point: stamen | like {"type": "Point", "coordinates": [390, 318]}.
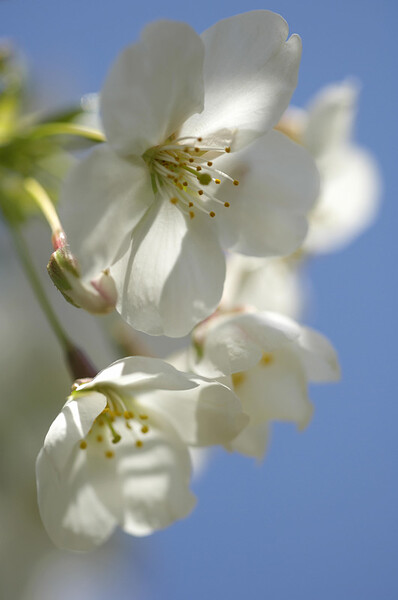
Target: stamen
{"type": "Point", "coordinates": [144, 429]}
{"type": "Point", "coordinates": [83, 444]}
{"type": "Point", "coordinates": [109, 454]}
{"type": "Point", "coordinates": [212, 213]}
{"type": "Point", "coordinates": [204, 178]}
{"type": "Point", "coordinates": [138, 443]}
{"type": "Point", "coordinates": [115, 436]}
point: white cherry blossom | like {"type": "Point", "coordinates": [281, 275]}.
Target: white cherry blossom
{"type": "Point", "coordinates": [268, 360]}
{"type": "Point", "coordinates": [117, 453]}
{"type": "Point", "coordinates": [191, 166]}
{"type": "Point", "coordinates": [272, 284]}
{"type": "Point", "coordinates": [350, 180]}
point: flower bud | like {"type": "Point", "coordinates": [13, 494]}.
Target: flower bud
{"type": "Point", "coordinates": [97, 296]}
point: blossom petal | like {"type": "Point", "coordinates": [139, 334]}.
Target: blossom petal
{"type": "Point", "coordinates": [252, 441]}
{"type": "Point", "coordinates": [250, 72]}
{"type": "Point", "coordinates": [348, 202]}
{"type": "Point", "coordinates": [71, 425]}
{"type": "Point", "coordinates": [275, 390]}
{"type": "Point", "coordinates": [279, 184]}
{"type": "Point", "coordinates": [331, 118]}
{"type": "Point", "coordinates": [236, 342]}
{"type": "Point", "coordinates": [146, 488]}
{"type": "Point", "coordinates": [266, 283]}
{"type": "Point", "coordinates": [139, 373]}
{"type": "Point", "coordinates": [172, 275]}
{"type": "Point", "coordinates": [318, 356]}
{"type": "Point", "coordinates": [73, 515]}
{"type": "Point", "coordinates": [153, 87]}
{"type": "Point", "coordinates": [209, 414]}
{"type": "Point", "coordinates": [103, 199]}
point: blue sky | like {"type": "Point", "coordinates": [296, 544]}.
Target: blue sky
{"type": "Point", "coordinates": [317, 519]}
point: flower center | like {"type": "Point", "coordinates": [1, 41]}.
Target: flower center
{"type": "Point", "coordinates": [118, 419]}
{"type": "Point", "coordinates": [182, 171]}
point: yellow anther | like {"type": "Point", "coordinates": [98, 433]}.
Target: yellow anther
{"type": "Point", "coordinates": [198, 168]}
{"type": "Point", "coordinates": [128, 425]}
{"type": "Point", "coordinates": [227, 204]}
{"type": "Point", "coordinates": [190, 204]}
{"type": "Point", "coordinates": [191, 160]}
{"type": "Point", "coordinates": [185, 183]}
{"type": "Point", "coordinates": [109, 454]}
{"type": "Point", "coordinates": [186, 149]}
{"type": "Point", "coordinates": [238, 379]}
{"type": "Point", "coordinates": [143, 417]}
{"type": "Point", "coordinates": [145, 429]}
{"type": "Point", "coordinates": [197, 149]}
{"type": "Point", "coordinates": [191, 214]}
{"type": "Point", "coordinates": [200, 192]}
{"type": "Point", "coordinates": [138, 443]}
{"type": "Point", "coordinates": [83, 444]}
{"type": "Point", "coordinates": [199, 139]}
{"type": "Point", "coordinates": [99, 438]}
{"type": "Point", "coordinates": [236, 182]}
{"type": "Point", "coordinates": [106, 409]}
{"type": "Point", "coordinates": [209, 164]}
{"type": "Point", "coordinates": [212, 214]}
{"type": "Point", "coordinates": [217, 181]}
{"type": "Point", "coordinates": [267, 358]}
{"type": "Point", "coordinates": [100, 422]}
{"type": "Point", "coordinates": [227, 149]}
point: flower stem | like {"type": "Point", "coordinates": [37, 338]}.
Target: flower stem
{"type": "Point", "coordinates": [30, 270]}
{"type": "Point", "coordinates": [40, 196]}
{"type": "Point", "coordinates": [49, 129]}
{"type": "Point", "coordinates": [78, 363]}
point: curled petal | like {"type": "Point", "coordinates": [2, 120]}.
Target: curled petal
{"type": "Point", "coordinates": [137, 374]}
{"type": "Point", "coordinates": [318, 356]}
{"type": "Point", "coordinates": [209, 414]}
{"type": "Point", "coordinates": [252, 441]}
{"type": "Point", "coordinates": [71, 425]}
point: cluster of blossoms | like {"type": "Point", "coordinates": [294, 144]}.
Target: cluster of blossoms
{"type": "Point", "coordinates": [192, 216]}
